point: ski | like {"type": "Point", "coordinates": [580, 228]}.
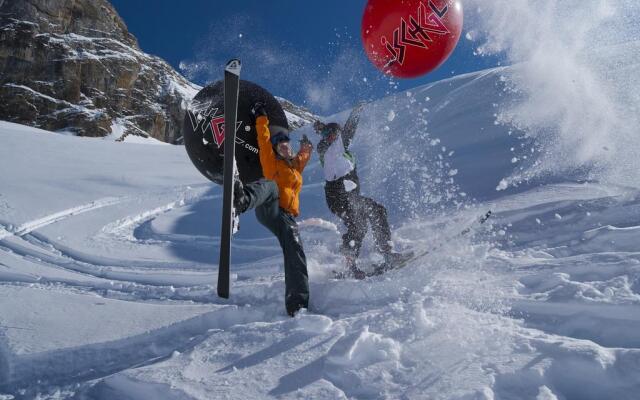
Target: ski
{"type": "Point", "coordinates": [231, 91]}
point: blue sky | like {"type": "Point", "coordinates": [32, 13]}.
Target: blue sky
{"type": "Point", "coordinates": [307, 51]}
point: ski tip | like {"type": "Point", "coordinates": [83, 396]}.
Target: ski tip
{"type": "Point", "coordinates": [233, 66]}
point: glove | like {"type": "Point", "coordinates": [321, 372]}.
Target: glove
{"type": "Point", "coordinates": [305, 140]}
{"type": "Point", "coordinates": [258, 110]}
{"type": "Point", "coordinates": [305, 143]}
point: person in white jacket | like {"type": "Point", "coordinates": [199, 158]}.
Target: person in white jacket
{"type": "Point", "coordinates": [342, 193]}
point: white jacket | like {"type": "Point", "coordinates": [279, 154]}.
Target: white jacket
{"type": "Point", "coordinates": [337, 162]}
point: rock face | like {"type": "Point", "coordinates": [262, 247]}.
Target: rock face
{"type": "Point", "coordinates": [72, 65]}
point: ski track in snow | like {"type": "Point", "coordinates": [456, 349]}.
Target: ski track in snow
{"type": "Point", "coordinates": [56, 217]}
{"type": "Point", "coordinates": [151, 281]}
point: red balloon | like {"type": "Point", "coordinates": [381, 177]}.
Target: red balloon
{"type": "Point", "coordinates": [409, 38]}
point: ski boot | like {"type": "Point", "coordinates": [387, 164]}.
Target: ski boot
{"type": "Point", "coordinates": [294, 305]}
{"type": "Point", "coordinates": [240, 199]}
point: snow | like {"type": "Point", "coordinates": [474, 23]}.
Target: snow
{"type": "Point", "coordinates": [119, 134]}
{"type": "Point", "coordinates": [295, 120]}
{"type": "Point", "coordinates": [185, 89]}
{"type": "Point", "coordinates": [391, 116]}
{"type": "Point", "coordinates": [297, 116]}
{"type": "Point", "coordinates": [108, 260]}
{"type": "Point", "coordinates": [576, 96]}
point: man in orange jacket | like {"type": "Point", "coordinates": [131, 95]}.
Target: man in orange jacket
{"type": "Point", "coordinates": [276, 201]}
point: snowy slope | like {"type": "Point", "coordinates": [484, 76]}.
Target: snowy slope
{"type": "Point", "coordinates": [108, 257]}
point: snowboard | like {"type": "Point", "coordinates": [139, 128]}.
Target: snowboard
{"type": "Point", "coordinates": [231, 92]}
{"type": "Point", "coordinates": [377, 269]}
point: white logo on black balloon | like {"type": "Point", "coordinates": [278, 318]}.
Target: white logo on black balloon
{"type": "Point", "coordinates": [206, 120]}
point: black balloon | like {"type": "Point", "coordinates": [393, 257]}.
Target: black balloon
{"type": "Point", "coordinates": [203, 130]}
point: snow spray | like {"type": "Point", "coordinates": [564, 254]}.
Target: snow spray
{"type": "Point", "coordinates": [576, 79]}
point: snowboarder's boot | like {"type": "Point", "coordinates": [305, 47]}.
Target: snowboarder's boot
{"type": "Point", "coordinates": [354, 271]}
{"type": "Point", "coordinates": [357, 273]}
{"type": "Point", "coordinates": [240, 199]}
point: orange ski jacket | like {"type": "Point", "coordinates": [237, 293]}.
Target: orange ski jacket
{"type": "Point", "coordinates": [287, 174]}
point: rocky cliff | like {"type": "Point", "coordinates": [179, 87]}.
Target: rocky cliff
{"type": "Point", "coordinates": [72, 65]}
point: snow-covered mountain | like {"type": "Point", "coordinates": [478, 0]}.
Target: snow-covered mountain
{"type": "Point", "coordinates": [108, 270]}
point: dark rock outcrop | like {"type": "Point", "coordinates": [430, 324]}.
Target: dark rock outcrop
{"type": "Point", "coordinates": [72, 65]}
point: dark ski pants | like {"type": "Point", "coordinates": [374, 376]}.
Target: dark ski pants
{"type": "Point", "coordinates": [357, 212]}
{"type": "Point", "coordinates": [263, 196]}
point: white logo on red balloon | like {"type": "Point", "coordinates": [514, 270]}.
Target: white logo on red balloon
{"type": "Point", "coordinates": [410, 38]}
{"type": "Point", "coordinates": [416, 33]}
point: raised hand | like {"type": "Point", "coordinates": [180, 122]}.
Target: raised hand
{"type": "Point", "coordinates": [258, 110]}
{"type": "Point", "coordinates": [305, 143]}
